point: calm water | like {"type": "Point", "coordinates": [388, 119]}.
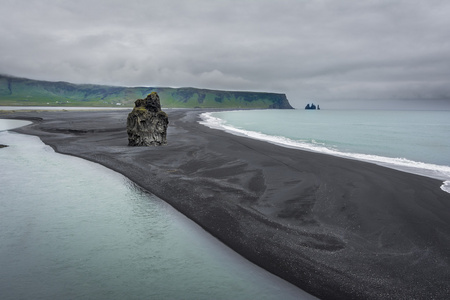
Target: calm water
{"type": "Point", "coordinates": [412, 141]}
{"type": "Point", "coordinates": [72, 229]}
{"type": "Point", "coordinates": [6, 124]}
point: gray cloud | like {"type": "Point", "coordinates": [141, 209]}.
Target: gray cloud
{"type": "Point", "coordinates": [329, 51]}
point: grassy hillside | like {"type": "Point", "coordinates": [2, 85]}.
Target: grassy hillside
{"type": "Point", "coordinates": [21, 91]}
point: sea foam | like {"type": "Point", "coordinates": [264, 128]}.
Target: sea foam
{"type": "Point", "coordinates": [398, 163]}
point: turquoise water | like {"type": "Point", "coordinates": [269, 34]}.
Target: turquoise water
{"type": "Point", "coordinates": [72, 229]}
{"type": "Point", "coordinates": [412, 141]}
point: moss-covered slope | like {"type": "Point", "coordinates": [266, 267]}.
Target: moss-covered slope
{"type": "Point", "coordinates": [21, 91]}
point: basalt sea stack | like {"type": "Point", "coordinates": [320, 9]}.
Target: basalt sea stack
{"type": "Point", "coordinates": [147, 123]}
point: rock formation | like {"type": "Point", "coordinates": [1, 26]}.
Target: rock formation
{"type": "Point", "coordinates": [312, 106]}
{"type": "Point", "coordinates": [147, 123]}
{"type": "Point", "coordinates": [3, 146]}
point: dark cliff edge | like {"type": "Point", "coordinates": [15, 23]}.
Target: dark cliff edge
{"type": "Point", "coordinates": [22, 91]}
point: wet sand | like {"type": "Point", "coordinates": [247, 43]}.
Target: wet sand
{"type": "Point", "coordinates": [337, 228]}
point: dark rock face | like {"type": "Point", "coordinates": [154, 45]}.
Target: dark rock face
{"type": "Point", "coordinates": [147, 123]}
{"type": "Point", "coordinates": [3, 146]}
{"type": "Point", "coordinates": [312, 106]}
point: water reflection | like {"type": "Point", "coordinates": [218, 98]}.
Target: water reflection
{"type": "Point", "coordinates": [74, 229]}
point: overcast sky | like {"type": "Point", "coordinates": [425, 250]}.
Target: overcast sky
{"type": "Point", "coordinates": [329, 52]}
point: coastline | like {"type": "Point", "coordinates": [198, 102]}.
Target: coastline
{"type": "Point", "coordinates": [335, 227]}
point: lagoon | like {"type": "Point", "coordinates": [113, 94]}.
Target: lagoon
{"type": "Point", "coordinates": [75, 229]}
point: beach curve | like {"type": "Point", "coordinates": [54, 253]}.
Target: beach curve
{"type": "Point", "coordinates": [337, 228]}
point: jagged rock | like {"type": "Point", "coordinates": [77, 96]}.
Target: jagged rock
{"type": "Point", "coordinates": [147, 123]}
{"type": "Point", "coordinates": [312, 106]}
{"type": "Point", "coordinates": [3, 146]}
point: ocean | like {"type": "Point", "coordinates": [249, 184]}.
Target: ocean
{"type": "Point", "coordinates": [411, 141]}
{"type": "Point", "coordinates": [73, 229]}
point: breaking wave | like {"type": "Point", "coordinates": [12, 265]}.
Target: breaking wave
{"type": "Point", "coordinates": [398, 163]}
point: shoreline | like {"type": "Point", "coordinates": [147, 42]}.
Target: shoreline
{"type": "Point", "coordinates": [426, 169]}
{"type": "Point", "coordinates": [336, 228]}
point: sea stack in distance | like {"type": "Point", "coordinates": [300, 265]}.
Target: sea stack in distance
{"type": "Point", "coordinates": [147, 123]}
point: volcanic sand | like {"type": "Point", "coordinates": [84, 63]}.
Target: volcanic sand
{"type": "Point", "coordinates": [337, 228]}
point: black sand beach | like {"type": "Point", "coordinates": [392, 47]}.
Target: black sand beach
{"type": "Point", "coordinates": [337, 228]}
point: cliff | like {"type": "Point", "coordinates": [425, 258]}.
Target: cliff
{"type": "Point", "coordinates": [22, 91]}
